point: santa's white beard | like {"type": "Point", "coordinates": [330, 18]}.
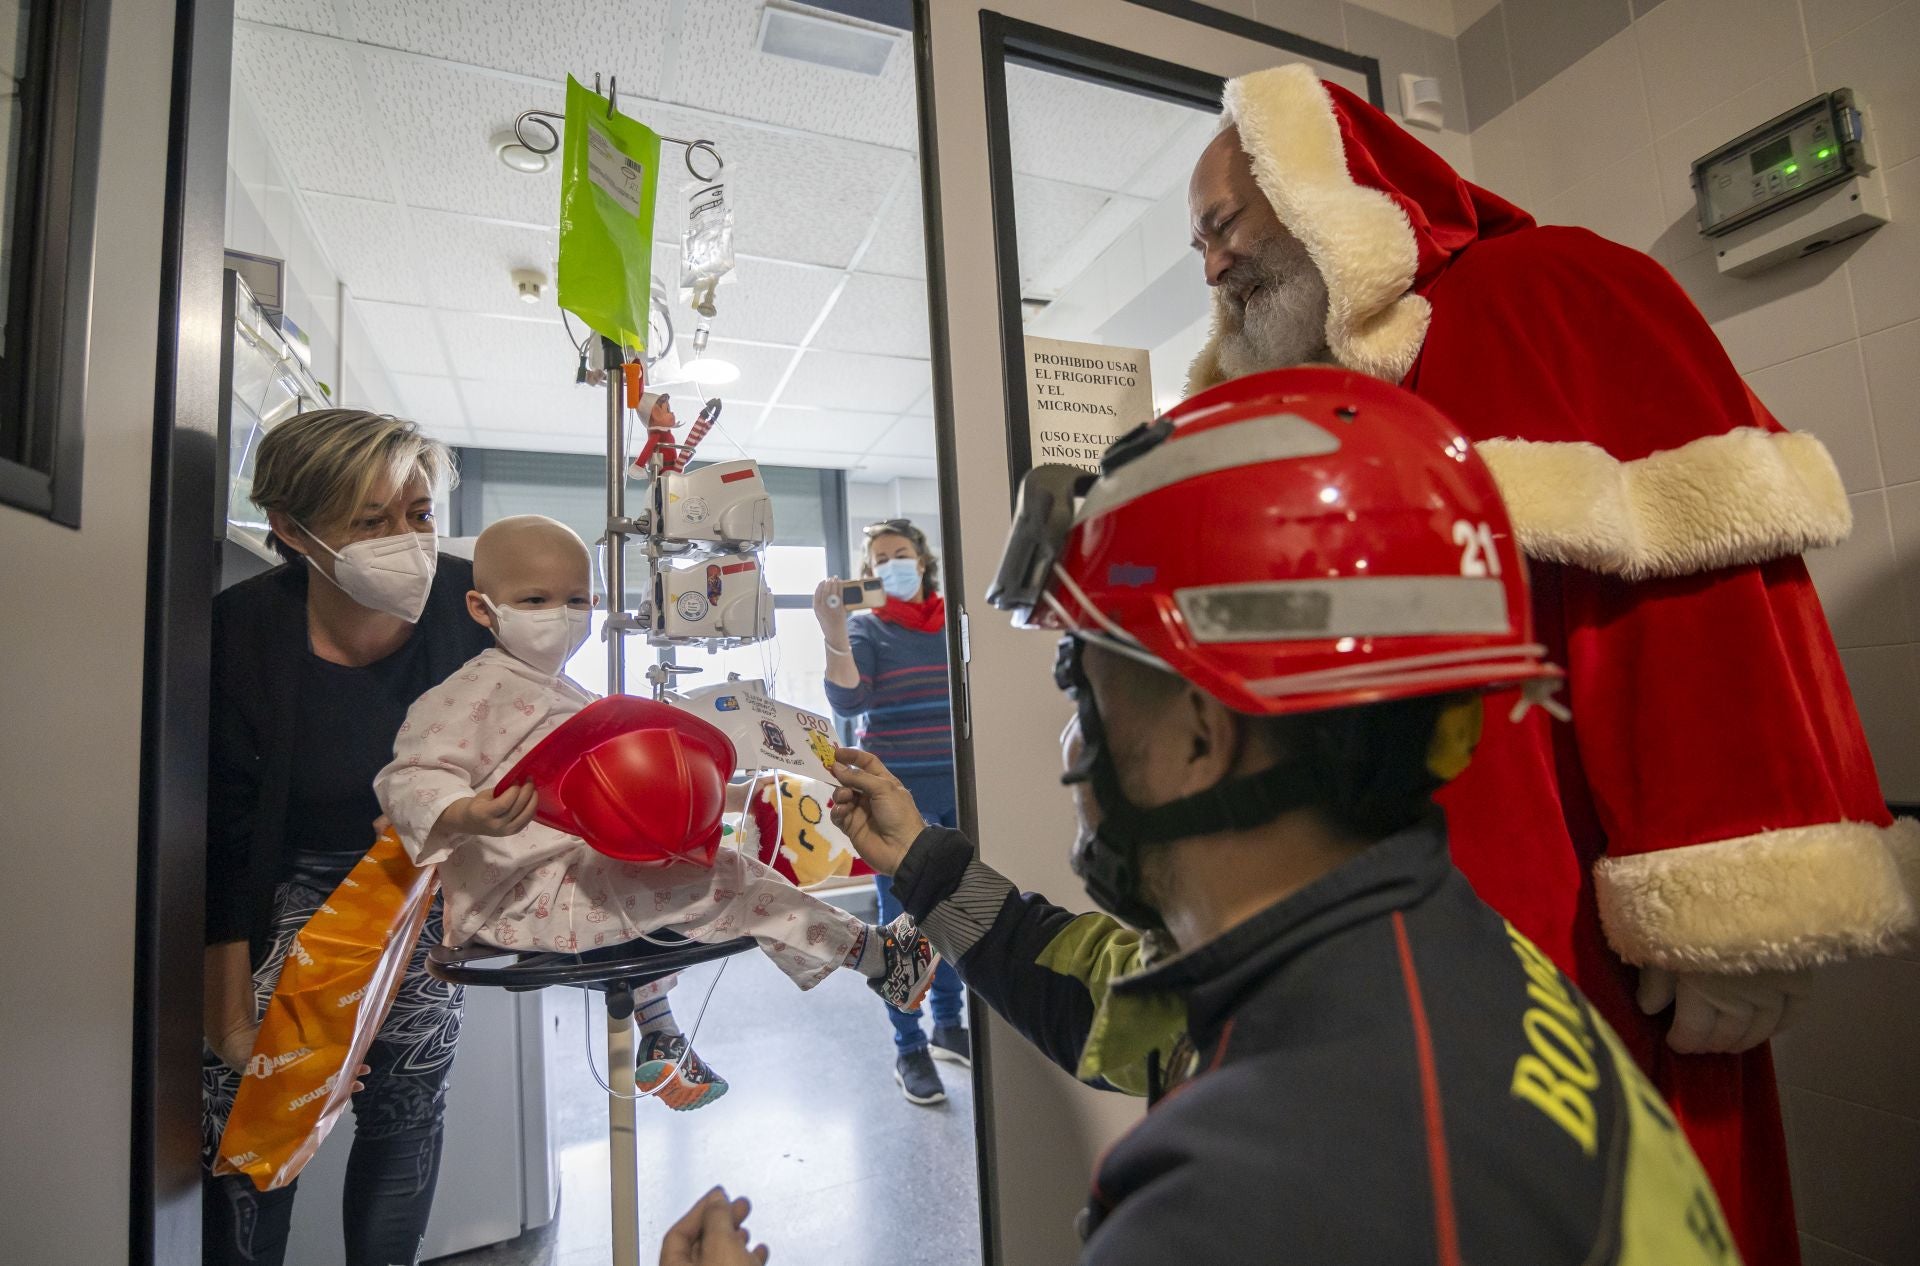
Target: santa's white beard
{"type": "Point", "coordinates": [1283, 322]}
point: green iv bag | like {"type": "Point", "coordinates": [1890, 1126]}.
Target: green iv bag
{"type": "Point", "coordinates": [611, 165]}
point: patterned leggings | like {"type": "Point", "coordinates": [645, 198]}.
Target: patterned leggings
{"type": "Point", "coordinates": [395, 1160]}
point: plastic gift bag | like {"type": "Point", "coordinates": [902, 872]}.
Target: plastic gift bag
{"type": "Point", "coordinates": [340, 978]}
{"type": "Point", "coordinates": [609, 171]}
{"type": "Point", "coordinates": [788, 826]}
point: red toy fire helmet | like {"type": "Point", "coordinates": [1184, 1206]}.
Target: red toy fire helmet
{"type": "Point", "coordinates": [1291, 541]}
{"type": "Point", "coordinates": [637, 780]}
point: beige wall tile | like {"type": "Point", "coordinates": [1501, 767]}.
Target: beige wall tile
{"type": "Point", "coordinates": [1856, 1035]}
{"type": "Point", "coordinates": [1467, 12]}
{"type": "Point", "coordinates": [1885, 264]}
{"type": "Point", "coordinates": [1903, 515]}
{"type": "Point", "coordinates": [1854, 1171]}
{"type": "Point", "coordinates": [1858, 580]}
{"type": "Point", "coordinates": [1793, 310]}
{"type": "Point", "coordinates": [1587, 117]}
{"type": "Point", "coordinates": [1882, 680]}
{"type": "Point", "coordinates": [1881, 62]}
{"type": "Point", "coordinates": [1434, 15]}
{"type": "Point", "coordinates": [1893, 385]}
{"type": "Point", "coordinates": [1622, 202]}
{"type": "Point", "coordinates": [1316, 19]}
{"type": "Point", "coordinates": [1784, 87]}
{"type": "Point", "coordinates": [1828, 20]}
{"type": "Point", "coordinates": [1826, 393]}
{"type": "Point", "coordinates": [1697, 53]}
{"type": "Point", "coordinates": [1500, 154]}
{"type": "Point", "coordinates": [1820, 1253]}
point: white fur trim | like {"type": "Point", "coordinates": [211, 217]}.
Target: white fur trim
{"type": "Point", "coordinates": [1359, 238]}
{"type": "Point", "coordinates": [1748, 496]}
{"type": "Point", "coordinates": [1776, 901]}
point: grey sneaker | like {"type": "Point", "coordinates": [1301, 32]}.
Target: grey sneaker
{"type": "Point", "coordinates": [917, 1078]}
{"type": "Point", "coordinates": [953, 1045]}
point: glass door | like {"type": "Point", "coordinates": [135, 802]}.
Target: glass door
{"type": "Point", "coordinates": [1067, 303]}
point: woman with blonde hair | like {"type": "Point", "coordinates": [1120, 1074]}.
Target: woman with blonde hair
{"type": "Point", "coordinates": [314, 666]}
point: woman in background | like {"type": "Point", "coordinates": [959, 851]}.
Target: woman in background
{"type": "Point", "coordinates": [314, 666]}
{"type": "Point", "coordinates": [888, 666]}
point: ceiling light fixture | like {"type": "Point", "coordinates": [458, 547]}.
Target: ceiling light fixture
{"type": "Point", "coordinates": [710, 371]}
{"type": "Point", "coordinates": [529, 283]}
{"type": "Point", "coordinates": [825, 41]}
{"type": "Point", "coordinates": [508, 149]}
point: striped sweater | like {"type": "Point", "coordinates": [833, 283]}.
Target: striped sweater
{"type": "Point", "coordinates": [902, 698]}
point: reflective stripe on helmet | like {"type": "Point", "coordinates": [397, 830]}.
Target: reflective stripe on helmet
{"type": "Point", "coordinates": [1352, 606]}
{"type": "Point", "coordinates": [1275, 437]}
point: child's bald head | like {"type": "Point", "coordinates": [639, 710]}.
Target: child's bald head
{"type": "Point", "coordinates": [530, 560]}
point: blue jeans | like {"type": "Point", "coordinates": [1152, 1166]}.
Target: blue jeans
{"type": "Point", "coordinates": [946, 997]}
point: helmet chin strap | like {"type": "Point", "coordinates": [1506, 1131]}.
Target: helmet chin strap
{"type": "Point", "coordinates": [1108, 859]}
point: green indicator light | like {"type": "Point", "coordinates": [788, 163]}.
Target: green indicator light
{"type": "Point", "coordinates": [1790, 168]}
{"type": "Point", "coordinates": [1825, 153]}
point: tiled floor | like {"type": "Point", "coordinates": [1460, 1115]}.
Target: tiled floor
{"type": "Point", "coordinates": [840, 1168]}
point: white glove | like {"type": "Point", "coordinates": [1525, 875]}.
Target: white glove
{"type": "Point", "coordinates": [1721, 1013]}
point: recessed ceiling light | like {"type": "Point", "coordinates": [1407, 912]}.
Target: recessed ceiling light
{"type": "Point", "coordinates": [710, 371]}
{"type": "Point", "coordinates": [508, 149]}
{"type": "Point", "coordinates": [825, 41]}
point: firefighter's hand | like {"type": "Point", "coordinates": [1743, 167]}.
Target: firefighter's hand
{"type": "Point", "coordinates": [876, 812]}
{"type": "Point", "coordinates": [1720, 1012]}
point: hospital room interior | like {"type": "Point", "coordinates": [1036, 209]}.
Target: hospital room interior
{"type": "Point", "coordinates": [1298, 620]}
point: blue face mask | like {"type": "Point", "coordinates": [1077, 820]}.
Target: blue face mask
{"type": "Point", "coordinates": [900, 577]}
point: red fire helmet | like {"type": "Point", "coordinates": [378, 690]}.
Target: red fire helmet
{"type": "Point", "coordinates": [1291, 541]}
{"type": "Point", "coordinates": [636, 779]}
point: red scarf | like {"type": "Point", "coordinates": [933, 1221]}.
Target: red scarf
{"type": "Point", "coordinates": [926, 616]}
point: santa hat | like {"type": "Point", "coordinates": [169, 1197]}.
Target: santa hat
{"type": "Point", "coordinates": [1321, 156]}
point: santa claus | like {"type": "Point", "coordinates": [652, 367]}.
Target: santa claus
{"type": "Point", "coordinates": [1709, 827]}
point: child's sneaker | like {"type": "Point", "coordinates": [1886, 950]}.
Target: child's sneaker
{"type": "Point", "coordinates": [910, 960]}
{"type": "Point", "coordinates": [691, 1085]}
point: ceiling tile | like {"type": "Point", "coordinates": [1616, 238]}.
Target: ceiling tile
{"type": "Point", "coordinates": [878, 109]}
{"type": "Point", "coordinates": [500, 349]}
{"type": "Point", "coordinates": [899, 246]}
{"type": "Point", "coordinates": [470, 263]}
{"type": "Point", "coordinates": [1048, 217]}
{"type": "Point", "coordinates": [829, 430]}
{"type": "Point", "coordinates": [1170, 167]}
{"type": "Point", "coordinates": [538, 409]}
{"type": "Point", "coordinates": [436, 123]}
{"type": "Point", "coordinates": [908, 437]}
{"type": "Point", "coordinates": [862, 384]}
{"type": "Point", "coordinates": [877, 466]}
{"type": "Point", "coordinates": [805, 198]}
{"type": "Point", "coordinates": [430, 401]}
{"type": "Point", "coordinates": [548, 441]}
{"type": "Point", "coordinates": [883, 315]}
{"type": "Point", "coordinates": [547, 41]}
{"type": "Point", "coordinates": [368, 244]}
{"type": "Point", "coordinates": [304, 86]}
{"type": "Point", "coordinates": [403, 337]}
{"type": "Point", "coordinates": [818, 459]}
{"type": "Point", "coordinates": [766, 300]}
{"type": "Point", "coordinates": [761, 369]}
{"type": "Point", "coordinates": [1084, 133]}
{"type": "Point", "coordinates": [304, 15]}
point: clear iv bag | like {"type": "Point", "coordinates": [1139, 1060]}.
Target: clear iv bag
{"type": "Point", "coordinates": [707, 245]}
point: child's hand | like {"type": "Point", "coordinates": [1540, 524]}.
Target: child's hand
{"type": "Point", "coordinates": [494, 813]}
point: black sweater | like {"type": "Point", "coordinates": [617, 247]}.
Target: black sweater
{"type": "Point", "coordinates": [1378, 1070]}
{"type": "Point", "coordinates": [260, 654]}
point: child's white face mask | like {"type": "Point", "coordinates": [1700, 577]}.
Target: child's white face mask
{"type": "Point", "coordinates": [543, 640]}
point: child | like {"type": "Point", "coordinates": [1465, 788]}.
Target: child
{"type": "Point", "coordinates": [519, 884]}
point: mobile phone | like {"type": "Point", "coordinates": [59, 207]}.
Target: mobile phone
{"type": "Point", "coordinates": [862, 595]}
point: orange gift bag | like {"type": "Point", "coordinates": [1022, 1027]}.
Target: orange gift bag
{"type": "Point", "coordinates": [340, 977]}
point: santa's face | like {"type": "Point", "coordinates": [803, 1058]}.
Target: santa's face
{"type": "Point", "coordinates": [1274, 310]}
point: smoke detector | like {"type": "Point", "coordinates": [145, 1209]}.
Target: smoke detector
{"type": "Point", "coordinates": [826, 41]}
{"type": "Point", "coordinates": [529, 282]}
{"type": "Point", "coordinates": [508, 149]}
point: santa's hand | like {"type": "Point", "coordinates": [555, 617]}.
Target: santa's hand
{"type": "Point", "coordinates": [876, 812]}
{"type": "Point", "coordinates": [1722, 1013]}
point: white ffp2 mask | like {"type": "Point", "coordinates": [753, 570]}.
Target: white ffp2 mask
{"type": "Point", "coordinates": [543, 640]}
{"type": "Point", "coordinates": [393, 574]}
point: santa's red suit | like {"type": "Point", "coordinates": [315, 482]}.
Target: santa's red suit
{"type": "Point", "coordinates": [1713, 806]}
